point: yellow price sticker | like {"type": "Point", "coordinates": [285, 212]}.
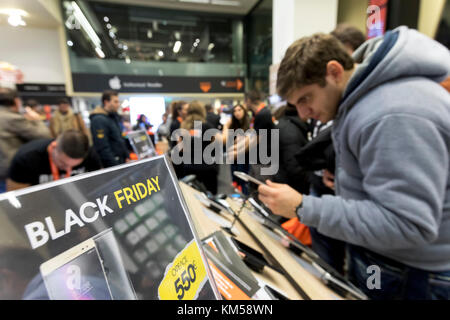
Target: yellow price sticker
{"type": "Point", "coordinates": [185, 276]}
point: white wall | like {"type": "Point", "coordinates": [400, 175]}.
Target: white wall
{"type": "Point", "coordinates": [293, 19]}
{"type": "Point", "coordinates": [36, 52]}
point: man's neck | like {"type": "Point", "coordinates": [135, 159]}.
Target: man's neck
{"type": "Point", "coordinates": [347, 76]}
{"type": "Point", "coordinates": [107, 109]}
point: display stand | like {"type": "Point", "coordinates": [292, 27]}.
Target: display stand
{"type": "Point", "coordinates": [311, 286]}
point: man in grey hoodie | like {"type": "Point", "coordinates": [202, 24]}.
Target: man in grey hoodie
{"type": "Point", "coordinates": [391, 135]}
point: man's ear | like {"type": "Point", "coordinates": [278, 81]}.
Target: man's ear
{"type": "Point", "coordinates": [335, 71]}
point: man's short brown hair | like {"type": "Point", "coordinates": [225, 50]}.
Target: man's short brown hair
{"type": "Point", "coordinates": [305, 62]}
{"type": "Point", "coordinates": [108, 94]}
{"type": "Point", "coordinates": [349, 35]}
{"type": "Point", "coordinates": [75, 144]}
{"type": "Point", "coordinates": [254, 96]}
{"type": "Point", "coordinates": [7, 97]}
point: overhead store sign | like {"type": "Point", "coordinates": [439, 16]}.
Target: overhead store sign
{"type": "Point", "coordinates": [118, 233]}
{"type": "Point", "coordinates": [87, 82]}
{"type": "Point", "coordinates": [40, 88]}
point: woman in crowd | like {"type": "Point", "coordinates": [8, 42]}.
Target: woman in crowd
{"type": "Point", "coordinates": [239, 120]}
{"type": "Point", "coordinates": [206, 173]}
{"type": "Point", "coordinates": [179, 112]}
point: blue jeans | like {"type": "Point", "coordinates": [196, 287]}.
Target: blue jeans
{"type": "Point", "coordinates": [398, 281]}
{"type": "Point", "coordinates": [332, 251]}
{"type": "Point", "coordinates": [2, 186]}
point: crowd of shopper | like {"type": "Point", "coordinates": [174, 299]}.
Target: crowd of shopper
{"type": "Point", "coordinates": [364, 144]}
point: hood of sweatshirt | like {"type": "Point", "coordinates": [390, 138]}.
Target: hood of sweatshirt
{"type": "Point", "coordinates": [400, 53]}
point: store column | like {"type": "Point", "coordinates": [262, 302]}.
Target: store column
{"type": "Point", "coordinates": [293, 19]}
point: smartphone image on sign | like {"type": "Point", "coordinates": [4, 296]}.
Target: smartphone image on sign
{"type": "Point", "coordinates": [243, 176]}
{"type": "Point", "coordinates": [76, 274]}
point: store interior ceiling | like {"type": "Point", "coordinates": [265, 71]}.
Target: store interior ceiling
{"type": "Point", "coordinates": [239, 7]}
{"type": "Point", "coordinates": [131, 30]}
{"type": "Point", "coordinates": [41, 13]}
{"type": "Point", "coordinates": [37, 14]}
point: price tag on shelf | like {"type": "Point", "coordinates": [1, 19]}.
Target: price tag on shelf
{"type": "Point", "coordinates": [185, 276]}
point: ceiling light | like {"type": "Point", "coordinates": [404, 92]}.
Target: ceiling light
{"type": "Point", "coordinates": [149, 34]}
{"type": "Point", "coordinates": [100, 53]}
{"type": "Point", "coordinates": [161, 53]}
{"type": "Point", "coordinates": [86, 25]}
{"type": "Point", "coordinates": [195, 1]}
{"type": "Point", "coordinates": [16, 20]}
{"type": "Point", "coordinates": [15, 16]}
{"type": "Point", "coordinates": [226, 3]}
{"type": "Point", "coordinates": [211, 46]}
{"type": "Point", "coordinates": [112, 35]}
{"type": "Point", "coordinates": [125, 47]}
{"type": "Point", "coordinates": [177, 46]}
{"type": "Point", "coordinates": [69, 43]}
{"type": "Point", "coordinates": [109, 25]}
{"type": "Point", "coordinates": [127, 60]}
{"type": "Point", "coordinates": [106, 19]}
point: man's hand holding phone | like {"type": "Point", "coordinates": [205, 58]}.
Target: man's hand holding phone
{"type": "Point", "coordinates": [281, 199]}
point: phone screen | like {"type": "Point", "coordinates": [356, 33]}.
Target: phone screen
{"type": "Point", "coordinates": [82, 278]}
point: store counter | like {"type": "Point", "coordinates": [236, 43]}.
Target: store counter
{"type": "Point", "coordinates": [296, 283]}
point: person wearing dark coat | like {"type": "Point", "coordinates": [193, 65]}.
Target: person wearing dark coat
{"type": "Point", "coordinates": [212, 118]}
{"type": "Point", "coordinates": [293, 136]}
{"type": "Point", "coordinates": [179, 112]}
{"type": "Point", "coordinates": [106, 132]}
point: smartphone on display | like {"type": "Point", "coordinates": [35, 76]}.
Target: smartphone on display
{"type": "Point", "coordinates": [76, 274]}
{"type": "Point", "coordinates": [243, 176]}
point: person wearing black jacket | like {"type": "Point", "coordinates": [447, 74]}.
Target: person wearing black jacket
{"type": "Point", "coordinates": [212, 118]}
{"type": "Point", "coordinates": [293, 136]}
{"type": "Point", "coordinates": [206, 173]}
{"type": "Point", "coordinates": [179, 113]}
{"type": "Point", "coordinates": [106, 133]}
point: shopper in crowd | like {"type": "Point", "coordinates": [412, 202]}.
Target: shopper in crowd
{"type": "Point", "coordinates": [262, 120]}
{"type": "Point", "coordinates": [212, 118]}
{"type": "Point", "coordinates": [163, 129]}
{"type": "Point", "coordinates": [106, 131]}
{"type": "Point", "coordinates": [293, 136]}
{"type": "Point", "coordinates": [205, 173]}
{"type": "Point", "coordinates": [16, 129]}
{"type": "Point", "coordinates": [240, 120]}
{"type": "Point", "coordinates": [321, 149]}
{"type": "Point", "coordinates": [45, 160]}
{"type": "Point", "coordinates": [391, 134]}
{"type": "Point", "coordinates": [36, 107]}
{"type": "Point", "coordinates": [179, 113]}
{"type": "Point", "coordinates": [64, 119]}
{"type": "Point", "coordinates": [350, 36]}
{"type": "Point", "coordinates": [144, 124]}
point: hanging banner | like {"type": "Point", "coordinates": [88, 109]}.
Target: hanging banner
{"type": "Point", "coordinates": [111, 234]}
{"type": "Point", "coordinates": [87, 82]}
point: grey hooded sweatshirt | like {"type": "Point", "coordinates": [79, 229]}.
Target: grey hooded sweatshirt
{"type": "Point", "coordinates": [392, 141]}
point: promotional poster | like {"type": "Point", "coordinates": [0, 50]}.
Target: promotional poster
{"type": "Point", "coordinates": [120, 233]}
